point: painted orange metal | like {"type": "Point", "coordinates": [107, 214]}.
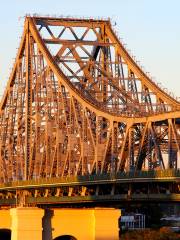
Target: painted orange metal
{"type": "Point", "coordinates": [77, 103]}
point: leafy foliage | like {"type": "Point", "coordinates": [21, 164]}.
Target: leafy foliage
{"type": "Point", "coordinates": [163, 233]}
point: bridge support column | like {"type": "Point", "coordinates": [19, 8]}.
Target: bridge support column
{"type": "Point", "coordinates": [89, 224]}
{"type": "Point", "coordinates": [26, 223]}
{"type": "Point", "coordinates": [5, 219]}
{"type": "Point", "coordinates": [106, 224]}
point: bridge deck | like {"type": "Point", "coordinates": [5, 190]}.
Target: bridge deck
{"type": "Point", "coordinates": [121, 177]}
{"type": "Point", "coordinates": [145, 186]}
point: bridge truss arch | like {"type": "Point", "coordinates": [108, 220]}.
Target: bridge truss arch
{"type": "Point", "coordinates": [77, 103]}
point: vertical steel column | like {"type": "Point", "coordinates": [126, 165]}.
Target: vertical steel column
{"type": "Point", "coordinates": [131, 149]}
{"type": "Point", "coordinates": [170, 165]}
{"type": "Point", "coordinates": [114, 147]}
{"type": "Point", "coordinates": [28, 112]}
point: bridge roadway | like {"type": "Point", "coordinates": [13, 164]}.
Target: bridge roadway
{"type": "Point", "coordinates": [142, 186]}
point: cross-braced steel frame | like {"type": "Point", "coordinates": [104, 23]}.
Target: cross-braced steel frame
{"type": "Point", "coordinates": [77, 103]}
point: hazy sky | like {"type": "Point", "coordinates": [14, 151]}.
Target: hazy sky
{"type": "Point", "coordinates": [151, 29]}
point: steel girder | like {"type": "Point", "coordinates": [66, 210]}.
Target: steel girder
{"type": "Point", "coordinates": [77, 103]}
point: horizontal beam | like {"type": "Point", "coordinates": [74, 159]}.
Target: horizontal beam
{"type": "Point", "coordinates": [104, 198]}
{"type": "Point", "coordinates": [52, 200]}
{"type": "Point", "coordinates": [151, 176]}
{"type": "Point", "coordinates": [75, 42]}
{"type": "Point", "coordinates": [69, 22]}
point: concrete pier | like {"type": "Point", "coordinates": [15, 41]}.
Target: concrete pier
{"type": "Point", "coordinates": [34, 223]}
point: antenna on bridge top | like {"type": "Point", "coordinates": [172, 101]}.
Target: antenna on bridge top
{"type": "Point", "coordinates": [20, 18]}
{"type": "Point", "coordinates": [35, 15]}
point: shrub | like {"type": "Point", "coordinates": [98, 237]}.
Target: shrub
{"type": "Point", "coordinates": [163, 233]}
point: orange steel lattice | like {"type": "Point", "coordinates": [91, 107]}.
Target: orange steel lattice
{"type": "Point", "coordinates": [77, 103]}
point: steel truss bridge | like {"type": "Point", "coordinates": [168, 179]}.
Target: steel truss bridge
{"type": "Point", "coordinates": [80, 121]}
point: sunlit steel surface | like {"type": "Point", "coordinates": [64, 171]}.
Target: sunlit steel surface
{"type": "Point", "coordinates": [78, 104]}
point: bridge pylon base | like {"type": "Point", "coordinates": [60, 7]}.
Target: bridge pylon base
{"type": "Point", "coordinates": [89, 224]}
{"type": "Point", "coordinates": [107, 224]}
{"type": "Point", "coordinates": [26, 223]}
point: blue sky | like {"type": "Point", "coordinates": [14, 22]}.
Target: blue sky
{"type": "Point", "coordinates": [151, 29]}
